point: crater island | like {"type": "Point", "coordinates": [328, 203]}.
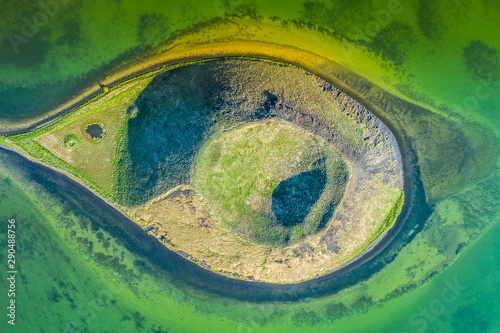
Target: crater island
{"type": "Point", "coordinates": [254, 169]}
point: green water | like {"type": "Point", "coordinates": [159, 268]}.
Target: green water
{"type": "Point", "coordinates": [79, 271]}
{"type": "Point", "coordinates": [83, 41]}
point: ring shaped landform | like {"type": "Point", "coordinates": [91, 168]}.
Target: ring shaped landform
{"type": "Point", "coordinates": [251, 168]}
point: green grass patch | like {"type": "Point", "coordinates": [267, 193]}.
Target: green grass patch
{"type": "Point", "coordinates": [93, 163]}
{"type": "Point", "coordinates": [71, 141]}
{"type": "Point", "coordinates": [394, 213]}
{"type": "Point", "coordinates": [6, 143]}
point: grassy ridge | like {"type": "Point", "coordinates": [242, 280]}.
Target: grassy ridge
{"type": "Point", "coordinates": [394, 213]}
{"type": "Point", "coordinates": [6, 143]}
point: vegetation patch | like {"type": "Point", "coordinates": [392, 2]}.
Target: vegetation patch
{"type": "Point", "coordinates": [270, 181]}
{"type": "Point", "coordinates": [71, 141]}
{"type": "Point", "coordinates": [394, 213]}
{"type": "Point", "coordinates": [481, 61]}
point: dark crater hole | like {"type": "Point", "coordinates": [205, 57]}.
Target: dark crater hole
{"type": "Point", "coordinates": [95, 131]}
{"type": "Point", "coordinates": [293, 198]}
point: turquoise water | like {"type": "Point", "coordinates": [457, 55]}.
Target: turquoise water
{"type": "Point", "coordinates": [82, 268]}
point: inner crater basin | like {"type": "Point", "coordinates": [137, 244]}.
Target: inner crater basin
{"type": "Point", "coordinates": [270, 181]}
{"type": "Point", "coordinates": [254, 169]}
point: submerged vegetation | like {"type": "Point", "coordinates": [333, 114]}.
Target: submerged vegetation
{"type": "Point", "coordinates": [454, 160]}
{"type": "Point", "coordinates": [481, 61]}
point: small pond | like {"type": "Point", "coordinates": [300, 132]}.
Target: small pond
{"type": "Point", "coordinates": [95, 131]}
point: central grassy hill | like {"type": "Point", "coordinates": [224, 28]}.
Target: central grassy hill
{"type": "Point", "coordinates": [270, 181]}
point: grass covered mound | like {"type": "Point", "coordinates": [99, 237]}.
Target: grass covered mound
{"type": "Point", "coordinates": [270, 181]}
{"type": "Point", "coordinates": [71, 141]}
